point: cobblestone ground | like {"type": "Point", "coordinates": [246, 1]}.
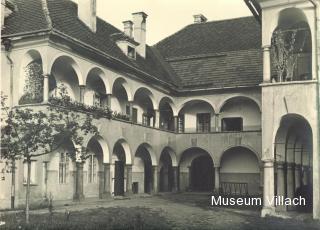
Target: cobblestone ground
{"type": "Point", "coordinates": [192, 211]}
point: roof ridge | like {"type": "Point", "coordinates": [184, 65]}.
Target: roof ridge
{"type": "Point", "coordinates": [46, 12]}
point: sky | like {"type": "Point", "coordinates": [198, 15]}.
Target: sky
{"type": "Point", "coordinates": [166, 17]}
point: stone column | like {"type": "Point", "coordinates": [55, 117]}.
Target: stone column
{"type": "Point", "coordinates": [108, 99]}
{"type": "Point", "coordinates": [290, 180]}
{"type": "Point", "coordinates": [129, 180]}
{"type": "Point", "coordinates": [156, 118]}
{"type": "Point", "coordinates": [175, 179]}
{"type": "Point", "coordinates": [297, 176]}
{"type": "Point", "coordinates": [82, 89]}
{"type": "Point", "coordinates": [78, 195]}
{"type": "Point", "coordinates": [268, 188]}
{"type": "Point", "coordinates": [217, 179]}
{"type": "Point", "coordinates": [106, 180]}
{"type": "Point", "coordinates": [45, 88]}
{"type": "Point", "coordinates": [154, 179]}
{"type": "Point", "coordinates": [175, 124]}
{"type": "Point", "coordinates": [266, 64]}
{"type": "Point", "coordinates": [130, 109]}
{"type": "Point", "coordinates": [217, 122]}
{"type": "Point", "coordinates": [280, 183]}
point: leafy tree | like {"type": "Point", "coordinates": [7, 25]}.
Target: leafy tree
{"type": "Point", "coordinates": [28, 133]}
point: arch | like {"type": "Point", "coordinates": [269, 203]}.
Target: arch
{"type": "Point", "coordinates": [171, 154]}
{"type": "Point", "coordinates": [146, 92]}
{"type": "Point", "coordinates": [67, 60]}
{"type": "Point", "coordinates": [120, 81]}
{"type": "Point", "coordinates": [103, 144]}
{"type": "Point", "coordinates": [241, 165]}
{"type": "Point", "coordinates": [196, 99]}
{"type": "Point", "coordinates": [293, 31]}
{"type": "Point", "coordinates": [150, 151]}
{"type": "Point", "coordinates": [33, 93]}
{"type": "Point", "coordinates": [124, 144]}
{"type": "Point", "coordinates": [168, 100]}
{"type": "Point", "coordinates": [231, 98]}
{"type": "Point", "coordinates": [196, 170]}
{"type": "Point", "coordinates": [96, 71]}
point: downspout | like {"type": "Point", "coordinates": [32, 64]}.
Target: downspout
{"type": "Point", "coordinates": [316, 4]}
{"type": "Point", "coordinates": [8, 46]}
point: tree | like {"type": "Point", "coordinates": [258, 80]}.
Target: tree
{"type": "Point", "coordinates": [29, 133]}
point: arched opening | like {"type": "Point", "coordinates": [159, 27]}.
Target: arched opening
{"type": "Point", "coordinates": [119, 101]}
{"type": "Point", "coordinates": [93, 170]}
{"type": "Point", "coordinates": [143, 108]}
{"type": "Point", "coordinates": [293, 156]}
{"type": "Point", "coordinates": [95, 93]}
{"type": "Point", "coordinates": [196, 170]}
{"type": "Point", "coordinates": [166, 177]}
{"type": "Point", "coordinates": [166, 114]}
{"type": "Point", "coordinates": [118, 163]}
{"type": "Point", "coordinates": [291, 46]}
{"type": "Point", "coordinates": [240, 114]}
{"type": "Point", "coordinates": [142, 170]}
{"type": "Point", "coordinates": [64, 78]}
{"type": "Point", "coordinates": [31, 75]}
{"type": "Point", "coordinates": [240, 166]}
{"type": "Point", "coordinates": [196, 116]}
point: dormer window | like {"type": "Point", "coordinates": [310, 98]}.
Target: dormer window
{"type": "Point", "coordinates": [131, 52]}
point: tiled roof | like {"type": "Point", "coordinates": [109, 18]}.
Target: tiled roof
{"type": "Point", "coordinates": [189, 58]}
{"type": "Point", "coordinates": [216, 54]}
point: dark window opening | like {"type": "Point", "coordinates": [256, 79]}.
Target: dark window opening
{"type": "Point", "coordinates": [131, 52]}
{"type": "Point", "coordinates": [134, 115]}
{"type": "Point", "coordinates": [232, 124]}
{"type": "Point", "coordinates": [181, 123]}
{"type": "Point", "coordinates": [203, 122]}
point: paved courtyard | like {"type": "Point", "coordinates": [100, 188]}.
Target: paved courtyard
{"type": "Point", "coordinates": [166, 211]}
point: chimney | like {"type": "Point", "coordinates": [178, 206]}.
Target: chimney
{"type": "Point", "coordinates": [139, 20]}
{"type": "Point", "coordinates": [87, 13]}
{"type": "Point", "coordinates": [199, 18]}
{"type": "Point", "coordinates": [128, 28]}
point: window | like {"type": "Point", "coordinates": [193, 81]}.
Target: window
{"type": "Point", "coordinates": [303, 67]}
{"type": "Point", "coordinates": [97, 100]}
{"type": "Point", "coordinates": [146, 119]}
{"type": "Point", "coordinates": [134, 115]}
{"type": "Point", "coordinates": [92, 172]}
{"type": "Point", "coordinates": [181, 123]}
{"type": "Point", "coordinates": [131, 52]}
{"type": "Point", "coordinates": [63, 168]}
{"type": "Point", "coordinates": [32, 172]}
{"type": "Point", "coordinates": [232, 124]}
{"type": "Point", "coordinates": [128, 110]}
{"type": "Point", "coordinates": [203, 122]}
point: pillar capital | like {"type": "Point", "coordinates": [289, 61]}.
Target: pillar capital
{"type": "Point", "coordinates": [266, 47]}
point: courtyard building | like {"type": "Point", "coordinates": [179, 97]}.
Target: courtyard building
{"type": "Point", "coordinates": [207, 109]}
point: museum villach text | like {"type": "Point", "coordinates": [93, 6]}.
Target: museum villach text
{"type": "Point", "coordinates": [256, 201]}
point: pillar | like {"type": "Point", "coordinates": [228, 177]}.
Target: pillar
{"type": "Point", "coordinates": [82, 89]}
{"type": "Point", "coordinates": [175, 124]}
{"type": "Point", "coordinates": [217, 179]}
{"type": "Point", "coordinates": [266, 64]}
{"type": "Point", "coordinates": [216, 122]}
{"type": "Point", "coordinates": [297, 176]}
{"type": "Point", "coordinates": [108, 99]}
{"type": "Point", "coordinates": [280, 183]}
{"type": "Point", "coordinates": [156, 118]}
{"type": "Point", "coordinates": [130, 110]}
{"type": "Point", "coordinates": [154, 179]}
{"type": "Point", "coordinates": [129, 180]}
{"type": "Point", "coordinates": [190, 179]}
{"type": "Point", "coordinates": [106, 180]}
{"type": "Point", "coordinates": [45, 88]}
{"type": "Point", "coordinates": [268, 188]}
{"type": "Point", "coordinates": [78, 195]}
{"type": "Point", "coordinates": [290, 180]}
{"type": "Point", "coordinates": [175, 179]}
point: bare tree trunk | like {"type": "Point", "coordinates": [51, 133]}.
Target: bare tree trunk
{"type": "Point", "coordinates": [28, 190]}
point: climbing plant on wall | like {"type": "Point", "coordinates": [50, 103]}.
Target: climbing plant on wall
{"type": "Point", "coordinates": [33, 90]}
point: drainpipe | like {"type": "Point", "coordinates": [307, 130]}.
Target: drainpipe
{"type": "Point", "coordinates": [316, 5]}
{"type": "Point", "coordinates": [8, 46]}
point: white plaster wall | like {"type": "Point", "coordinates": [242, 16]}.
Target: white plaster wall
{"type": "Point", "coordinates": [138, 173]}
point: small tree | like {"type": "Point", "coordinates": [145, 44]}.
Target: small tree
{"type": "Point", "coordinates": [30, 133]}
